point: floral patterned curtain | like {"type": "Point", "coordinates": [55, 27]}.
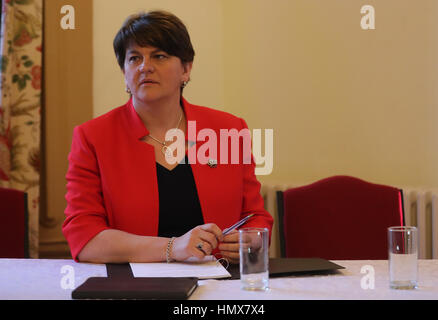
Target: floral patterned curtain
{"type": "Point", "coordinates": [20, 103]}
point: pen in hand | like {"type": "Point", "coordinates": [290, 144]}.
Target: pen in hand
{"type": "Point", "coordinates": [237, 224]}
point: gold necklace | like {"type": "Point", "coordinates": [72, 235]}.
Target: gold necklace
{"type": "Point", "coordinates": [165, 149]}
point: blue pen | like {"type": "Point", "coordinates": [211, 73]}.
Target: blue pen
{"type": "Point", "coordinates": [237, 224]}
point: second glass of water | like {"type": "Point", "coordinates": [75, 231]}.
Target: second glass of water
{"type": "Point", "coordinates": [403, 257]}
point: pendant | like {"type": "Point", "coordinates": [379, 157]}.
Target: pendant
{"type": "Point", "coordinates": [166, 151]}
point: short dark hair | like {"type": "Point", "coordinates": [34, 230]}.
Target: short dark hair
{"type": "Point", "coordinates": [159, 29]}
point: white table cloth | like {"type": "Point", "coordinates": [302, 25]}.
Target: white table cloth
{"type": "Point", "coordinates": [42, 279]}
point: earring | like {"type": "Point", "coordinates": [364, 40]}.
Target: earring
{"type": "Point", "coordinates": [183, 85]}
{"type": "Point", "coordinates": [128, 90]}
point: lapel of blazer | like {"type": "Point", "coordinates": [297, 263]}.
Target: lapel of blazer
{"type": "Point", "coordinates": [144, 170]}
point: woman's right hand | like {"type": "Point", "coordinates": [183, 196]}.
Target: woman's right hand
{"type": "Point", "coordinates": [198, 242]}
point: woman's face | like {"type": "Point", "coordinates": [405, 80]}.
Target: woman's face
{"type": "Point", "coordinates": [152, 74]}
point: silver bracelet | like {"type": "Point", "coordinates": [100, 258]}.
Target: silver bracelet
{"type": "Point", "coordinates": [169, 250]}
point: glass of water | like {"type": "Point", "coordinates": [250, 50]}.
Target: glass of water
{"type": "Point", "coordinates": [403, 257]}
{"type": "Point", "coordinates": [254, 259]}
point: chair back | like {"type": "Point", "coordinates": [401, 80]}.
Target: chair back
{"type": "Point", "coordinates": [338, 218]}
{"type": "Point", "coordinates": [14, 224]}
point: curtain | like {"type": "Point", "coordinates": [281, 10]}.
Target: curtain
{"type": "Point", "coordinates": [20, 104]}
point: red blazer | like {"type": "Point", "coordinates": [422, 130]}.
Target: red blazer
{"type": "Point", "coordinates": [112, 180]}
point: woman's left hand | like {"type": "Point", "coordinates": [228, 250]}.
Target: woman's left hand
{"type": "Point", "coordinates": [229, 247]}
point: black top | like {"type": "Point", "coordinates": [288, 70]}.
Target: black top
{"type": "Point", "coordinates": [180, 210]}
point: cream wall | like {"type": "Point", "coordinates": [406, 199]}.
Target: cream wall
{"type": "Point", "coordinates": [341, 100]}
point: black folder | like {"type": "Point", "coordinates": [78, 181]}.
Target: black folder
{"type": "Point", "coordinates": [283, 267]}
{"type": "Point", "coordinates": [280, 267]}
{"type": "Point", "coordinates": [136, 288]}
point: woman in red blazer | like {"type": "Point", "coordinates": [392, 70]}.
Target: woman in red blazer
{"type": "Point", "coordinates": [125, 201]}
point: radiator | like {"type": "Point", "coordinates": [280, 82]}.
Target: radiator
{"type": "Point", "coordinates": [420, 207]}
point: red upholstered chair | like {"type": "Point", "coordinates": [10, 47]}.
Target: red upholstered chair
{"type": "Point", "coordinates": [338, 218]}
{"type": "Point", "coordinates": [13, 224]}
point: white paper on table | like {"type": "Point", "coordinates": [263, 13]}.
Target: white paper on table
{"type": "Point", "coordinates": [207, 268]}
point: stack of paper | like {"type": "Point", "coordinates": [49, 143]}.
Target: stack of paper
{"type": "Point", "coordinates": [207, 268]}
